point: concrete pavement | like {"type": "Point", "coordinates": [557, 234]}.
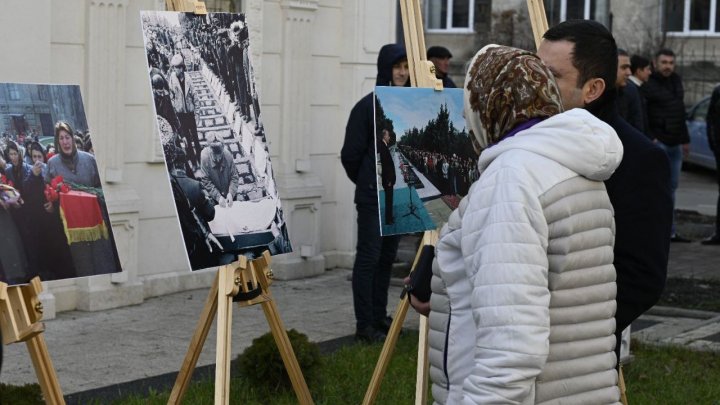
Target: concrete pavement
{"type": "Point", "coordinates": [99, 349]}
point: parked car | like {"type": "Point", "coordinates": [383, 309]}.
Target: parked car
{"type": "Point", "coordinates": [700, 153]}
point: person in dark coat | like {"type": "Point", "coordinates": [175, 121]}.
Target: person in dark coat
{"type": "Point", "coordinates": [388, 174]}
{"type": "Point", "coordinates": [46, 228]}
{"type": "Point", "coordinates": [375, 254]}
{"type": "Point", "coordinates": [639, 189]}
{"type": "Point", "coordinates": [239, 65]}
{"type": "Point", "coordinates": [195, 211]}
{"type": "Point", "coordinates": [440, 57]}
{"type": "Point", "coordinates": [163, 103]}
{"type": "Point", "coordinates": [713, 135]}
{"type": "Point", "coordinates": [629, 103]}
{"type": "Point", "coordinates": [640, 68]}
{"type": "Point", "coordinates": [664, 95]}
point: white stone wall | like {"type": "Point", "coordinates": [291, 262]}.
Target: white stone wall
{"type": "Point", "coordinates": [313, 60]}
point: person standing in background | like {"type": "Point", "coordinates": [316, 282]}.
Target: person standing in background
{"type": "Point", "coordinates": [374, 253]}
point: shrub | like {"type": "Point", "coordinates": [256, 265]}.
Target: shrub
{"type": "Point", "coordinates": [261, 365]}
{"type": "Point", "coordinates": [28, 394]}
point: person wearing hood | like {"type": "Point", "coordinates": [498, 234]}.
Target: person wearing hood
{"type": "Point", "coordinates": [374, 254]}
{"type": "Point", "coordinates": [524, 288]}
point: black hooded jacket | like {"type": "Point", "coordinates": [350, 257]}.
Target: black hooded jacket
{"type": "Point", "coordinates": [358, 151]}
{"type": "Point", "coordinates": [666, 109]}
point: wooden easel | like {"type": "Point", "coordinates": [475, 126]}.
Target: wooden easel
{"type": "Point", "coordinates": [20, 314]}
{"type": "Point", "coordinates": [422, 74]}
{"type": "Point", "coordinates": [241, 277]}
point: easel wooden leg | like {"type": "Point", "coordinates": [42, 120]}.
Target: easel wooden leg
{"type": "Point", "coordinates": [45, 371]}
{"type": "Point", "coordinates": [386, 353]}
{"type": "Point", "coordinates": [423, 364]}
{"type": "Point", "coordinates": [286, 352]}
{"type": "Point", "coordinates": [229, 281]}
{"type": "Point", "coordinates": [196, 344]}
{"type": "Point", "coordinates": [225, 295]}
{"type": "Point", "coordinates": [621, 384]}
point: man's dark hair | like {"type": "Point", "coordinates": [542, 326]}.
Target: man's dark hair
{"type": "Point", "coordinates": [595, 52]}
{"type": "Point", "coordinates": [594, 55]}
{"type": "Point", "coordinates": [665, 51]}
{"type": "Point", "coordinates": [638, 62]}
{"type": "Point", "coordinates": [622, 52]}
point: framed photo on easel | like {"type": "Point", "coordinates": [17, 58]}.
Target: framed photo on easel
{"type": "Point", "coordinates": [53, 216]}
{"type": "Point", "coordinates": [425, 160]}
{"type": "Point", "coordinates": [210, 124]}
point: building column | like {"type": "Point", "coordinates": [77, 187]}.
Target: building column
{"type": "Point", "coordinates": [300, 190]}
{"type": "Point", "coordinates": [105, 104]}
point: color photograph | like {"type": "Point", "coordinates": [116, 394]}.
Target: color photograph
{"type": "Point", "coordinates": [209, 120]}
{"type": "Point", "coordinates": [54, 222]}
{"type": "Point", "coordinates": [425, 159]}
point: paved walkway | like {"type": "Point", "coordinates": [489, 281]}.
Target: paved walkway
{"type": "Point", "coordinates": [98, 349]}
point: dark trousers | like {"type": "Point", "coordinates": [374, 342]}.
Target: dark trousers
{"type": "Point", "coordinates": [188, 130]}
{"type": "Point", "coordinates": [388, 205]}
{"type": "Point", "coordinates": [371, 271]}
{"type": "Point", "coordinates": [717, 213]}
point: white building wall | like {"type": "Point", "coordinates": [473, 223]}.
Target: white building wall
{"type": "Point", "coordinates": [313, 59]}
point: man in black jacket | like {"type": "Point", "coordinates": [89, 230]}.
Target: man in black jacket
{"type": "Point", "coordinates": [374, 254]}
{"type": "Point", "coordinates": [582, 55]}
{"type": "Point", "coordinates": [664, 94]}
{"type": "Point", "coordinates": [388, 174]}
{"type": "Point", "coordinates": [713, 135]}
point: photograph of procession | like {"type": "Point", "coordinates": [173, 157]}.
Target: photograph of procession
{"type": "Point", "coordinates": [211, 130]}
{"type": "Point", "coordinates": [53, 218]}
{"type": "Point", "coordinates": [425, 159]}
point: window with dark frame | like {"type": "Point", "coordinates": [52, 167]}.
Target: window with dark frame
{"type": "Point", "coordinates": [691, 17]}
{"type": "Point", "coordinates": [449, 15]}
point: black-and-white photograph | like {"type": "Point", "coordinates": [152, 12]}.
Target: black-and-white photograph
{"type": "Point", "coordinates": [208, 116]}
{"type": "Point", "coordinates": [54, 222]}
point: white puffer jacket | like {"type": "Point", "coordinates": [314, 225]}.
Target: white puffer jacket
{"type": "Point", "coordinates": [524, 286]}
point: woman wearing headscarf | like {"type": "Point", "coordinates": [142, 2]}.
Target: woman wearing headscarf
{"type": "Point", "coordinates": [79, 170]}
{"type": "Point", "coordinates": [524, 288]}
{"type": "Point", "coordinates": [12, 249]}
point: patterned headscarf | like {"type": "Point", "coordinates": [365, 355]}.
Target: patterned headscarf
{"type": "Point", "coordinates": [505, 87]}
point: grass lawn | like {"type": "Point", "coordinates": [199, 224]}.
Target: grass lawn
{"type": "Point", "coordinates": [658, 375]}
{"type": "Point", "coordinates": [672, 376]}
{"type": "Point", "coordinates": [344, 377]}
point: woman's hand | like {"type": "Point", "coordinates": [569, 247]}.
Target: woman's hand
{"type": "Point", "coordinates": [49, 207]}
{"type": "Point", "coordinates": [37, 168]}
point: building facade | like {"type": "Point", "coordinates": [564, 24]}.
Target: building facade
{"type": "Point", "coordinates": [313, 60]}
{"type": "Point", "coordinates": [690, 28]}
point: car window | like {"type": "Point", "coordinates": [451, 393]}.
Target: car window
{"type": "Point", "coordinates": [700, 110]}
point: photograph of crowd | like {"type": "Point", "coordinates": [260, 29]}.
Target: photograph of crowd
{"type": "Point", "coordinates": [425, 159]}
{"type": "Point", "coordinates": [54, 222]}
{"type": "Point", "coordinates": [213, 138]}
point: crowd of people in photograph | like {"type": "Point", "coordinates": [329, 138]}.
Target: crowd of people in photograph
{"type": "Point", "coordinates": [213, 139]}
{"type": "Point", "coordinates": [452, 175]}
{"type": "Point", "coordinates": [32, 176]}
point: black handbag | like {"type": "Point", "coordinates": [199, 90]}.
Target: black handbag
{"type": "Point", "coordinates": [420, 277]}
